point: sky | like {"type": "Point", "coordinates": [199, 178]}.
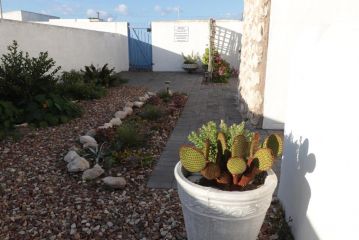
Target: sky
{"type": "Point", "coordinates": [135, 12]}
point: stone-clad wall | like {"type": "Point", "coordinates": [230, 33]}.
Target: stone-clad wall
{"type": "Point", "coordinates": [253, 59]}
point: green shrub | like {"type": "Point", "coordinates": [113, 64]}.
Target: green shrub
{"type": "Point", "coordinates": [9, 115]}
{"type": "Point", "coordinates": [73, 86]}
{"type": "Point", "coordinates": [50, 109]}
{"type": "Point", "coordinates": [130, 135]}
{"type": "Point", "coordinates": [22, 77]}
{"type": "Point", "coordinates": [151, 112]}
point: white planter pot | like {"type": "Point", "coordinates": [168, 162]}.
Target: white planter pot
{"type": "Point", "coordinates": [190, 67]}
{"type": "Point", "coordinates": [215, 214]}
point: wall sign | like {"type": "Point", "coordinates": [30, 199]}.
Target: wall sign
{"type": "Point", "coordinates": [181, 34]}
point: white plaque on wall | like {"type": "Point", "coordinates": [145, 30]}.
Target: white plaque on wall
{"type": "Point", "coordinates": [181, 34]}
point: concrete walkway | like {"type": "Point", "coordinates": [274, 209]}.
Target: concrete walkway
{"type": "Point", "coordinates": [205, 103]}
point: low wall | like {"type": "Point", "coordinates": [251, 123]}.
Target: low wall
{"type": "Point", "coordinates": [172, 38]}
{"type": "Point", "coordinates": [71, 48]}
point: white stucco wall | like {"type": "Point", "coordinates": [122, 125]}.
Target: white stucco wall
{"type": "Point", "coordinates": [71, 48]}
{"type": "Point", "coordinates": [22, 15]}
{"type": "Point", "coordinates": [318, 56]}
{"type": "Point", "coordinates": [275, 91]}
{"type": "Point", "coordinates": [167, 54]}
{"type": "Point", "coordinates": [112, 27]}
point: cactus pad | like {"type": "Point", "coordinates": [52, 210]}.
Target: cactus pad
{"type": "Point", "coordinates": [222, 139]}
{"type": "Point", "coordinates": [264, 159]}
{"type": "Point", "coordinates": [254, 144]}
{"type": "Point", "coordinates": [239, 146]}
{"type": "Point", "coordinates": [275, 143]}
{"type": "Point", "coordinates": [205, 149]}
{"type": "Point", "coordinates": [236, 165]}
{"type": "Point", "coordinates": [211, 171]}
{"type": "Point", "coordinates": [192, 158]}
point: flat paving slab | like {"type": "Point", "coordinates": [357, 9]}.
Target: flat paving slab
{"type": "Point", "coordinates": [206, 102]}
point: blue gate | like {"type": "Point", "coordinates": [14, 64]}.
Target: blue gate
{"type": "Point", "coordinates": [140, 49]}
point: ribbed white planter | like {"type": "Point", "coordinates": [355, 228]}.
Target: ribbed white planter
{"type": "Point", "coordinates": [215, 214]}
{"type": "Point", "coordinates": [190, 67]}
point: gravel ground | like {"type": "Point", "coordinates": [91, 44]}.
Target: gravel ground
{"type": "Point", "coordinates": [40, 200]}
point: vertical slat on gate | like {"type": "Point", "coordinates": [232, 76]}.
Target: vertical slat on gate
{"type": "Point", "coordinates": [140, 49]}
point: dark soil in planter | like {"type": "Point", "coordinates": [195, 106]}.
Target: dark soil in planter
{"type": "Point", "coordinates": [256, 183]}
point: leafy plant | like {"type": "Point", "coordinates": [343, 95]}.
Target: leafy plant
{"type": "Point", "coordinates": [151, 112]}
{"type": "Point", "coordinates": [130, 135]}
{"type": "Point", "coordinates": [165, 96]}
{"type": "Point", "coordinates": [221, 68]}
{"type": "Point", "coordinates": [103, 76]}
{"type": "Point", "coordinates": [190, 59]}
{"type": "Point", "coordinates": [73, 86]}
{"type": "Point", "coordinates": [50, 109]}
{"type": "Point", "coordinates": [9, 115]}
{"type": "Point", "coordinates": [22, 77]}
{"type": "Point", "coordinates": [229, 155]}
{"type": "Point", "coordinates": [154, 100]}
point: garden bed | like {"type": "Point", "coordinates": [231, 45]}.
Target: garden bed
{"type": "Point", "coordinates": [39, 199]}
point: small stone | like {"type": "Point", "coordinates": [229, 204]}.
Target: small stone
{"type": "Point", "coordinates": [70, 156]}
{"type": "Point", "coordinates": [142, 99]}
{"type": "Point", "coordinates": [87, 139]}
{"type": "Point", "coordinates": [22, 232]}
{"type": "Point", "coordinates": [105, 126]}
{"type": "Point", "coordinates": [129, 104]}
{"type": "Point", "coordinates": [93, 173]}
{"type": "Point", "coordinates": [121, 115]}
{"type": "Point", "coordinates": [109, 224]}
{"type": "Point", "coordinates": [96, 228]}
{"type": "Point", "coordinates": [6, 150]}
{"type": "Point", "coordinates": [115, 182]}
{"type": "Point", "coordinates": [128, 110]}
{"type": "Point", "coordinates": [90, 145]}
{"type": "Point", "coordinates": [91, 133]}
{"type": "Point", "coordinates": [138, 104]}
{"type": "Point", "coordinates": [151, 94]}
{"type": "Point", "coordinates": [78, 165]}
{"type": "Point", "coordinates": [116, 121]}
{"type": "Point", "coordinates": [73, 231]}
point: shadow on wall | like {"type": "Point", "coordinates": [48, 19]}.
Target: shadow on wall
{"type": "Point", "coordinates": [228, 44]}
{"type": "Point", "coordinates": [294, 189]}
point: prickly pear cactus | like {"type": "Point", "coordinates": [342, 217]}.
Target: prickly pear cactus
{"type": "Point", "coordinates": [205, 149]}
{"type": "Point", "coordinates": [264, 159]}
{"type": "Point", "coordinates": [236, 165]}
{"type": "Point", "coordinates": [275, 143]}
{"type": "Point", "coordinates": [239, 146]}
{"type": "Point", "coordinates": [254, 144]}
{"type": "Point", "coordinates": [222, 139]}
{"type": "Point", "coordinates": [211, 171]}
{"type": "Point", "coordinates": [192, 158]}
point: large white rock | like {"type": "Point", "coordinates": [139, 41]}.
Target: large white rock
{"type": "Point", "coordinates": [151, 94]}
{"type": "Point", "coordinates": [116, 121]}
{"type": "Point", "coordinates": [78, 165]}
{"type": "Point", "coordinates": [87, 139]}
{"type": "Point", "coordinates": [70, 156]}
{"type": "Point", "coordinates": [93, 173]}
{"type": "Point", "coordinates": [120, 114]}
{"type": "Point", "coordinates": [128, 110]}
{"type": "Point", "coordinates": [115, 182]}
{"type": "Point", "coordinates": [105, 126]}
{"type": "Point", "coordinates": [138, 104]}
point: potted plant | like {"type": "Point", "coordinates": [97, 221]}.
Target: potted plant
{"type": "Point", "coordinates": [232, 193]}
{"type": "Point", "coordinates": [190, 63]}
